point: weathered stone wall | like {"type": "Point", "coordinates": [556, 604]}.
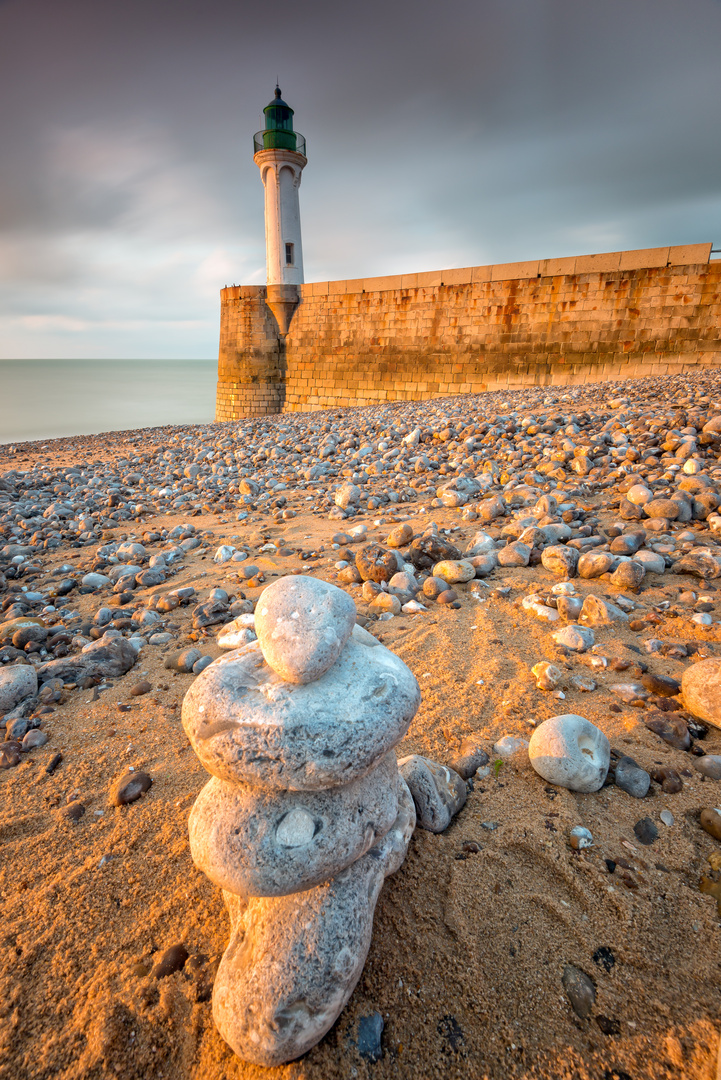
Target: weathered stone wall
{"type": "Point", "coordinates": [563, 321]}
{"type": "Point", "coordinates": [251, 372]}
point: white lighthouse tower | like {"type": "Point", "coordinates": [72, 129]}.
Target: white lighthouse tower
{"type": "Point", "coordinates": [280, 156]}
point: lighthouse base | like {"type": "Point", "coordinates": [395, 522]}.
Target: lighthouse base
{"type": "Point", "coordinates": [282, 301]}
{"type": "Point", "coordinates": [251, 361]}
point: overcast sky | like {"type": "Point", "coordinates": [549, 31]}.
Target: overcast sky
{"type": "Point", "coordinates": [440, 133]}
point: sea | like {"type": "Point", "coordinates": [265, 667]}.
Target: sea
{"type": "Point", "coordinates": [47, 399]}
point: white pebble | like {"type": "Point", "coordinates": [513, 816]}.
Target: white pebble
{"type": "Point", "coordinates": [570, 751]}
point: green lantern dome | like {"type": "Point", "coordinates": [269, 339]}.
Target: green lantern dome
{"type": "Point", "coordinates": [278, 133]}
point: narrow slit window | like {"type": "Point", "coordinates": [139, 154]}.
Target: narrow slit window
{"type": "Point", "coordinates": [288, 254]}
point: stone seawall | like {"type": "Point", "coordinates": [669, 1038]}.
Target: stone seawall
{"type": "Point", "coordinates": [564, 321]}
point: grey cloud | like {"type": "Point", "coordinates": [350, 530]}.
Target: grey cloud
{"type": "Point", "coordinates": [439, 135]}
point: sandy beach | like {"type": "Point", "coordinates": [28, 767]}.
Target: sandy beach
{"type": "Point", "coordinates": [473, 933]}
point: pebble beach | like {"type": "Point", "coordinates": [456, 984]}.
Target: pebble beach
{"type": "Point", "coordinates": [541, 553]}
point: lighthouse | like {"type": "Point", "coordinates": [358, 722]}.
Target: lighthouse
{"type": "Point", "coordinates": [279, 153]}
{"type": "Point", "coordinates": [255, 319]}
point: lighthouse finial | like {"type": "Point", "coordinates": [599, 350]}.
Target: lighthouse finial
{"type": "Point", "coordinates": [277, 88]}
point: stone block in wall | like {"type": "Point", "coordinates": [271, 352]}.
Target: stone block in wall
{"type": "Point", "coordinates": [557, 267]}
{"type": "Point", "coordinates": [689, 254]}
{"type": "Point", "coordinates": [315, 288]}
{"type": "Point", "coordinates": [462, 276]}
{"type": "Point", "coordinates": [513, 271]}
{"type": "Point", "coordinates": [606, 263]}
{"type": "Point", "coordinates": [382, 284]}
{"type": "Point", "coordinates": [643, 258]}
{"type": "Point", "coordinates": [430, 279]}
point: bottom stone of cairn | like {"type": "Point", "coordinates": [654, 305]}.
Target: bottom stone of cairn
{"type": "Point", "coordinates": [293, 961]}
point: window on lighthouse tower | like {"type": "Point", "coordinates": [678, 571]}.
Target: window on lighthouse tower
{"type": "Point", "coordinates": [288, 254]}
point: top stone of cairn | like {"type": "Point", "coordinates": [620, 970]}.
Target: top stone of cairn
{"type": "Point", "coordinates": [351, 702]}
{"type": "Point", "coordinates": [302, 624]}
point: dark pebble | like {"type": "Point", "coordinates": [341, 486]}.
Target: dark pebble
{"type": "Point", "coordinates": [447, 597]}
{"type": "Point", "coordinates": [173, 959]}
{"type": "Point", "coordinates": [197, 965]}
{"type": "Point", "coordinates": [608, 1026]}
{"type": "Point", "coordinates": [73, 811]}
{"type": "Point", "coordinates": [665, 704]}
{"type": "Point", "coordinates": [670, 727]}
{"type": "Point", "coordinates": [696, 729]}
{"type": "Point", "coordinates": [711, 823]}
{"type": "Point", "coordinates": [370, 1029]}
{"type": "Point", "coordinates": [580, 990]}
{"type": "Point", "coordinates": [9, 756]}
{"type": "Point", "coordinates": [661, 684]}
{"type": "Point", "coordinates": [53, 764]}
{"type": "Point", "coordinates": [29, 634]}
{"type": "Point", "coordinates": [140, 688]}
{"type": "Point", "coordinates": [670, 781]}
{"type": "Point", "coordinates": [451, 1032]}
{"type": "Point", "coordinates": [16, 729]}
{"type": "Point", "coordinates": [645, 830]}
{"type": "Point", "coordinates": [130, 787]}
{"type": "Point", "coordinates": [470, 758]}
{"type": "Point", "coordinates": [603, 956]}
{"type": "Point", "coordinates": [631, 778]}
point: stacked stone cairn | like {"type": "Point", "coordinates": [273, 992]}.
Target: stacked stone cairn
{"type": "Point", "coordinates": [305, 814]}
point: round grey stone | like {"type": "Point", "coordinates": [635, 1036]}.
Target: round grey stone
{"type": "Point", "coordinates": [438, 792]}
{"type": "Point", "coordinates": [570, 751]}
{"type": "Point", "coordinates": [34, 738]}
{"type": "Point", "coordinates": [628, 574]}
{"type": "Point", "coordinates": [302, 624]}
{"type": "Point", "coordinates": [560, 560]}
{"type": "Point", "coordinates": [246, 724]}
{"type": "Point", "coordinates": [270, 843]}
{"type": "Point", "coordinates": [631, 778]}
{"type": "Point", "coordinates": [573, 636]}
{"type": "Point", "coordinates": [17, 682]}
{"type": "Point", "coordinates": [652, 562]}
{"type": "Point", "coordinates": [593, 564]}
{"type": "Point", "coordinates": [709, 765]}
